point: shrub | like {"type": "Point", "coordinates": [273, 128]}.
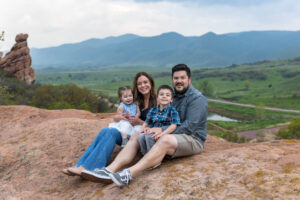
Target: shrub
{"type": "Point", "coordinates": [291, 132]}
{"type": "Point", "coordinates": [206, 88]}
{"type": "Point", "coordinates": [16, 92]}
{"type": "Point", "coordinates": [60, 105]}
{"type": "Point", "coordinates": [230, 136]}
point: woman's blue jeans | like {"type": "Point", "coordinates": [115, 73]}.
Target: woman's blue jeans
{"type": "Point", "coordinates": [99, 152]}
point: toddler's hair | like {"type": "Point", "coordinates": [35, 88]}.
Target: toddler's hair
{"type": "Point", "coordinates": [121, 90]}
{"type": "Point", "coordinates": [165, 87]}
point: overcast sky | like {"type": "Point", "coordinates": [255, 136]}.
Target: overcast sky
{"type": "Point", "coordinates": [51, 23]}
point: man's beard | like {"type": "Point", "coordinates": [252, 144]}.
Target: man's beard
{"type": "Point", "coordinates": [182, 91]}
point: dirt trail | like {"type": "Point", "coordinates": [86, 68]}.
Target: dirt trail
{"type": "Point", "coordinates": [265, 131]}
{"type": "Point", "coordinates": [253, 106]}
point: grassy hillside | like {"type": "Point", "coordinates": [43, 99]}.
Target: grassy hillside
{"type": "Point", "coordinates": [265, 83]}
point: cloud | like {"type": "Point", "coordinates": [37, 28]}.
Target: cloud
{"type": "Point", "coordinates": [51, 23]}
{"type": "Point", "coordinates": [233, 3]}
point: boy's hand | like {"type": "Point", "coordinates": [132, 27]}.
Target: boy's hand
{"type": "Point", "coordinates": [157, 135]}
{"type": "Point", "coordinates": [156, 130]}
{"type": "Point", "coordinates": [147, 130]}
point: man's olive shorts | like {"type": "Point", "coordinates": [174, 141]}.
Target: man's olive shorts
{"type": "Point", "coordinates": [187, 145]}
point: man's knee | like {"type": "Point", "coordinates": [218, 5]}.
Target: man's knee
{"type": "Point", "coordinates": [168, 141]}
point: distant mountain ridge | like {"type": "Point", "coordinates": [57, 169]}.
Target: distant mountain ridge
{"type": "Point", "coordinates": [170, 48]}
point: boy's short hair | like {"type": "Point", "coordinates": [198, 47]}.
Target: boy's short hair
{"type": "Point", "coordinates": [181, 67]}
{"type": "Point", "coordinates": [122, 89]}
{"type": "Point", "coordinates": [165, 87]}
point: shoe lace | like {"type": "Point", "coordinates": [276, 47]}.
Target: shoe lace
{"type": "Point", "coordinates": [126, 177]}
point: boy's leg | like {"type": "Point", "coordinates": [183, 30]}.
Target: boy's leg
{"type": "Point", "coordinates": [142, 143]}
{"type": "Point", "coordinates": [149, 142]}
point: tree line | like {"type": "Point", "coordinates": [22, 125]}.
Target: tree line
{"type": "Point", "coordinates": [69, 96]}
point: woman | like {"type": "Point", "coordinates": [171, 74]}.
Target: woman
{"type": "Point", "coordinates": [99, 152]}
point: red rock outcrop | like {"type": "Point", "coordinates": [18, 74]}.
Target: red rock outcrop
{"type": "Point", "coordinates": [18, 60]}
{"type": "Point", "coordinates": [36, 144]}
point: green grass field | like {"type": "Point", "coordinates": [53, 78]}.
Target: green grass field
{"type": "Point", "coordinates": [266, 83]}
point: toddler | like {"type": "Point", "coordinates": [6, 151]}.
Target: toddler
{"type": "Point", "coordinates": [129, 107]}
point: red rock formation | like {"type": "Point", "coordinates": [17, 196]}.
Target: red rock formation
{"type": "Point", "coordinates": [36, 144]}
{"type": "Point", "coordinates": [18, 60]}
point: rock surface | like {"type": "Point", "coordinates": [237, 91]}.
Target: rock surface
{"type": "Point", "coordinates": [18, 60]}
{"type": "Point", "coordinates": [36, 144]}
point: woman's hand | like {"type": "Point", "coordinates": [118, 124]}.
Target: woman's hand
{"type": "Point", "coordinates": [135, 120]}
{"type": "Point", "coordinates": [121, 116]}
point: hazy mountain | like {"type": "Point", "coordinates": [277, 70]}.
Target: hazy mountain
{"type": "Point", "coordinates": [170, 48]}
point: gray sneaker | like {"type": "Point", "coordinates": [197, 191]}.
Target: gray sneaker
{"type": "Point", "coordinates": [121, 178]}
{"type": "Point", "coordinates": [97, 175]}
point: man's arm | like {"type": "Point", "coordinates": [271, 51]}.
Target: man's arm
{"type": "Point", "coordinates": [196, 112]}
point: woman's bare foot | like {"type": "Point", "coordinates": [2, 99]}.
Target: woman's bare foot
{"type": "Point", "coordinates": [66, 172]}
{"type": "Point", "coordinates": [75, 170]}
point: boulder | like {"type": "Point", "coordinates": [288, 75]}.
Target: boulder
{"type": "Point", "coordinates": [18, 60]}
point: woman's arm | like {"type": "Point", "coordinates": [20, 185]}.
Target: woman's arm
{"type": "Point", "coordinates": [134, 120]}
{"type": "Point", "coordinates": [138, 112]}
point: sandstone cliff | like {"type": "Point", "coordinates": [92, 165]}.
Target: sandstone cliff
{"type": "Point", "coordinates": [36, 144]}
{"type": "Point", "coordinates": [18, 60]}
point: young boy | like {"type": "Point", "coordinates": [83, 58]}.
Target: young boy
{"type": "Point", "coordinates": [162, 115]}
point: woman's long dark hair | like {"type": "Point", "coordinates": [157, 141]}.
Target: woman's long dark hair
{"type": "Point", "coordinates": [139, 97]}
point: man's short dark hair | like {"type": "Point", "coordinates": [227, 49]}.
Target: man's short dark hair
{"type": "Point", "coordinates": [165, 87]}
{"type": "Point", "coordinates": [181, 67]}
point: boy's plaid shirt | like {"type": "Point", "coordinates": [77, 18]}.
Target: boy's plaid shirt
{"type": "Point", "coordinates": [165, 117]}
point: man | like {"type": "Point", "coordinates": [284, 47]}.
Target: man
{"type": "Point", "coordinates": [187, 139]}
